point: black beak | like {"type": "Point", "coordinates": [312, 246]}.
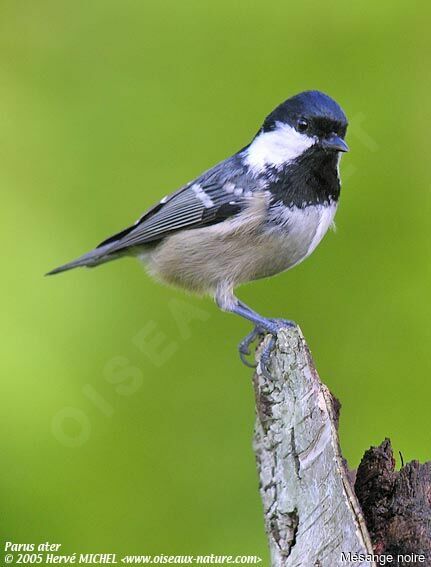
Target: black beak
{"type": "Point", "coordinates": [334, 143]}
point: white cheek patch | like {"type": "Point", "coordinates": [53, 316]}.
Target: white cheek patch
{"type": "Point", "coordinates": [277, 148]}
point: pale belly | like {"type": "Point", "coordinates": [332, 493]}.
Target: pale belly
{"type": "Point", "coordinates": [201, 260]}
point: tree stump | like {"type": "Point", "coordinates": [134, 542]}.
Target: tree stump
{"type": "Point", "coordinates": [313, 516]}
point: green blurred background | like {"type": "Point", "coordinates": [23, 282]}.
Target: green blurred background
{"type": "Point", "coordinates": [123, 430]}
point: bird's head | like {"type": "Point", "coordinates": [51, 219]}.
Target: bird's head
{"type": "Point", "coordinates": [310, 119]}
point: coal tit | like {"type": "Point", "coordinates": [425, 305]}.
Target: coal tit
{"type": "Point", "coordinates": [255, 214]}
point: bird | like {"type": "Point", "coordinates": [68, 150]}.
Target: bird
{"type": "Point", "coordinates": [255, 214]}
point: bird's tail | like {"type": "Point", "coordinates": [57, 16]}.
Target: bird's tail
{"type": "Point", "coordinates": [94, 258]}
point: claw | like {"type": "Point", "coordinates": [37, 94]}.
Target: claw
{"type": "Point", "coordinates": [244, 346]}
{"type": "Point", "coordinates": [265, 357]}
{"type": "Point", "coordinates": [272, 326]}
{"type": "Point", "coordinates": [277, 325]}
{"type": "Point", "coordinates": [247, 362]}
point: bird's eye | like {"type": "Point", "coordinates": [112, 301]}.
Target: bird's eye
{"type": "Point", "coordinates": [302, 125]}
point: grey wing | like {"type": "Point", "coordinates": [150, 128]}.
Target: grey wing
{"type": "Point", "coordinates": [220, 193]}
{"type": "Point", "coordinates": [216, 195]}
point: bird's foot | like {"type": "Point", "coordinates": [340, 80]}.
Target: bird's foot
{"type": "Point", "coordinates": [275, 326]}
{"type": "Point", "coordinates": [271, 326]}
{"type": "Point", "coordinates": [247, 341]}
{"type": "Point", "coordinates": [266, 356]}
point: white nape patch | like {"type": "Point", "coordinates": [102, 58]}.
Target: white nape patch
{"type": "Point", "coordinates": [202, 196]}
{"type": "Point", "coordinates": [277, 148]}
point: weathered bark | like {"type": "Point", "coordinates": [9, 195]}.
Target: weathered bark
{"type": "Point", "coordinates": [396, 505]}
{"type": "Point", "coordinates": [313, 516]}
{"type": "Point", "coordinates": [311, 512]}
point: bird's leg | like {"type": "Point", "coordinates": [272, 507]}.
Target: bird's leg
{"type": "Point", "coordinates": [228, 302]}
{"type": "Point", "coordinates": [263, 324]}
